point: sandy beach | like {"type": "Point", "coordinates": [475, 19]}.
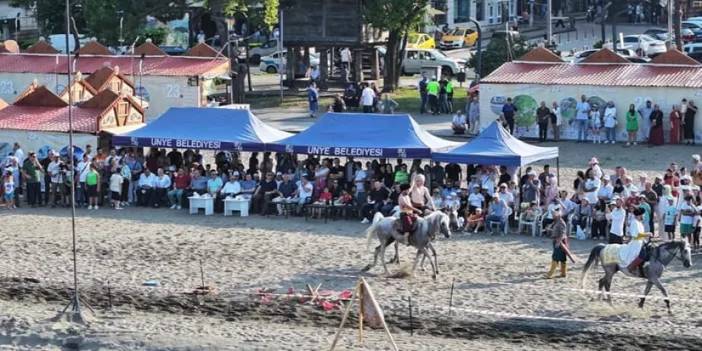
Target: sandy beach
{"type": "Point", "coordinates": [500, 299]}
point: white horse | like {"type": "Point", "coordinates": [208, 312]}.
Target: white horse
{"type": "Point", "coordinates": [427, 228]}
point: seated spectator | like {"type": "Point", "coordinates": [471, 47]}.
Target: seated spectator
{"type": "Point", "coordinates": [458, 125]}
{"type": "Point", "coordinates": [303, 194]}
{"type": "Point", "coordinates": [163, 183]}
{"type": "Point", "coordinates": [145, 188]}
{"type": "Point", "coordinates": [232, 187]}
{"type": "Point", "coordinates": [198, 183]}
{"type": "Point", "coordinates": [214, 184]}
{"type": "Point", "coordinates": [345, 199]}
{"type": "Point", "coordinates": [181, 181]}
{"type": "Point", "coordinates": [325, 198]}
{"type": "Point", "coordinates": [286, 190]}
{"type": "Point", "coordinates": [582, 214]}
{"type": "Point", "coordinates": [377, 201]}
{"type": "Point", "coordinates": [266, 191]}
{"type": "Point", "coordinates": [437, 198]}
{"type": "Point", "coordinates": [248, 186]}
{"type": "Point", "coordinates": [497, 212]}
{"type": "Point", "coordinates": [475, 200]}
{"type": "Point", "coordinates": [475, 222]}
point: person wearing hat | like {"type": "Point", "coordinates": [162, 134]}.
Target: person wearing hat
{"type": "Point", "coordinates": [617, 217]}
{"type": "Point", "coordinates": [561, 252]}
{"type": "Point", "coordinates": [595, 168]}
{"type": "Point", "coordinates": [408, 215]}
{"type": "Point", "coordinates": [633, 254]}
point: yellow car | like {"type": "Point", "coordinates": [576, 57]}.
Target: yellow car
{"type": "Point", "coordinates": [459, 38]}
{"type": "Point", "coordinates": [420, 41]}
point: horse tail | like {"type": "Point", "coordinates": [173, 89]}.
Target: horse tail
{"type": "Point", "coordinates": [594, 256]}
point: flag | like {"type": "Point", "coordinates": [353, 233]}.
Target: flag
{"type": "Point", "coordinates": [371, 311]}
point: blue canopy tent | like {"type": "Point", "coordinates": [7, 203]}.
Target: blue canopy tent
{"type": "Point", "coordinates": [495, 146]}
{"type": "Point", "coordinates": [204, 128]}
{"type": "Point", "coordinates": [364, 135]}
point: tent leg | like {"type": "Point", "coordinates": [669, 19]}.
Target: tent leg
{"type": "Point", "coordinates": [558, 171]}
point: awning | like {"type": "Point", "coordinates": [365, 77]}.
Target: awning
{"type": "Point", "coordinates": [364, 135]}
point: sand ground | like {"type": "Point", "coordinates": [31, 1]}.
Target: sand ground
{"type": "Point", "coordinates": [500, 300]}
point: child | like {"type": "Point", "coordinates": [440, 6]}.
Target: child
{"type": "Point", "coordinates": [475, 221]}
{"type": "Point", "coordinates": [344, 199]}
{"type": "Point", "coordinates": [116, 181]}
{"type": "Point", "coordinates": [9, 187]}
{"type": "Point", "coordinates": [325, 198]}
{"type": "Point", "coordinates": [596, 125]}
{"type": "Point", "coordinates": [669, 216]}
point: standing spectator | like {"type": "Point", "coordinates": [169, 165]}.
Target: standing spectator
{"type": "Point", "coordinates": [508, 112]}
{"type": "Point", "coordinates": [8, 185]}
{"type": "Point", "coordinates": [367, 99]}
{"type": "Point", "coordinates": [387, 105]}
{"type": "Point", "coordinates": [689, 123]}
{"type": "Point", "coordinates": [610, 123]}
{"type": "Point", "coordinates": [582, 115]}
{"type": "Point", "coordinates": [31, 173]}
{"type": "Point", "coordinates": [92, 183]}
{"type": "Point", "coordinates": [556, 121]}
{"type": "Point", "coordinates": [443, 99]}
{"type": "Point", "coordinates": [449, 95]}
{"type": "Point", "coordinates": [422, 86]}
{"type": "Point", "coordinates": [433, 89]}
{"type": "Point", "coordinates": [473, 114]}
{"type": "Point", "coordinates": [632, 125]}
{"type": "Point", "coordinates": [313, 99]}
{"type": "Point", "coordinates": [675, 122]}
{"type": "Point", "coordinates": [345, 63]}
{"type": "Point", "coordinates": [116, 181]}
{"type": "Point", "coordinates": [645, 125]}
{"type": "Point", "coordinates": [543, 114]}
{"type": "Point", "coordinates": [596, 125]}
{"type": "Point", "coordinates": [359, 181]}
{"type": "Point", "coordinates": [656, 133]}
{"type": "Point", "coordinates": [56, 178]}
{"type": "Point", "coordinates": [617, 216]}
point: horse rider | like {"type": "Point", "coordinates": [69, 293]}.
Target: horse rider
{"type": "Point", "coordinates": [420, 195]}
{"type": "Point", "coordinates": [408, 215]}
{"type": "Point", "coordinates": [635, 252]}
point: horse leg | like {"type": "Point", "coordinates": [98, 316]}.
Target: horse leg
{"type": "Point", "coordinates": [434, 270]}
{"type": "Point", "coordinates": [608, 286]}
{"type": "Point", "coordinates": [436, 262]}
{"type": "Point", "coordinates": [416, 260]}
{"type": "Point", "coordinates": [660, 286]}
{"type": "Point", "coordinates": [600, 288]}
{"type": "Point", "coordinates": [375, 260]}
{"type": "Point", "coordinates": [395, 259]}
{"type": "Point", "coordinates": [382, 258]}
{"type": "Point", "coordinates": [649, 285]}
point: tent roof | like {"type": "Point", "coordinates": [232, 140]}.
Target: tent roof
{"type": "Point", "coordinates": [204, 128]}
{"type": "Point", "coordinates": [364, 135]}
{"type": "Point", "coordinates": [495, 146]}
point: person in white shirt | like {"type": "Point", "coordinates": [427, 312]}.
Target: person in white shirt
{"type": "Point", "coordinates": [345, 63]}
{"type": "Point", "coordinates": [116, 181]}
{"type": "Point", "coordinates": [582, 114]}
{"type": "Point", "coordinates": [81, 192]}
{"type": "Point", "coordinates": [161, 186]}
{"type": "Point", "coordinates": [606, 191]}
{"type": "Point", "coordinates": [592, 186]}
{"type": "Point", "coordinates": [475, 200]}
{"type": "Point", "coordinates": [610, 123]}
{"type": "Point", "coordinates": [145, 187]}
{"type": "Point", "coordinates": [595, 166]}
{"type": "Point", "coordinates": [629, 188]}
{"type": "Point", "coordinates": [617, 217]}
{"type": "Point", "coordinates": [367, 99]}
{"type": "Point", "coordinates": [359, 181]}
{"type": "Point", "coordinates": [19, 153]}
{"type": "Point", "coordinates": [54, 170]}
{"type": "Point", "coordinates": [231, 188]}
{"type": "Point", "coordinates": [556, 121]}
{"type": "Point", "coordinates": [458, 124]}
{"type": "Point", "coordinates": [303, 194]}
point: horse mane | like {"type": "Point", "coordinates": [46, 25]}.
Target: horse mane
{"type": "Point", "coordinates": [434, 222]}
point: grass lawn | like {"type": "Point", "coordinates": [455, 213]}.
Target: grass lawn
{"type": "Point", "coordinates": [409, 101]}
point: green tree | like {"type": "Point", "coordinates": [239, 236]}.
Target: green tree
{"type": "Point", "coordinates": [397, 17]}
{"type": "Point", "coordinates": [270, 14]}
{"type": "Point", "coordinates": [498, 52]}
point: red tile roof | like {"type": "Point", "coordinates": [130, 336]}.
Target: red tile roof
{"type": "Point", "coordinates": [202, 50]}
{"type": "Point", "coordinates": [39, 95]}
{"type": "Point", "coordinates": [3, 104]}
{"type": "Point", "coordinates": [605, 56]}
{"type": "Point", "coordinates": [148, 49]}
{"type": "Point", "coordinates": [540, 55]}
{"type": "Point", "coordinates": [156, 66]}
{"type": "Point", "coordinates": [674, 57]}
{"type": "Point", "coordinates": [41, 47]}
{"type": "Point", "coordinates": [638, 75]}
{"type": "Point", "coordinates": [49, 119]}
{"type": "Point", "coordinates": [94, 48]}
{"type": "Point", "coordinates": [100, 78]}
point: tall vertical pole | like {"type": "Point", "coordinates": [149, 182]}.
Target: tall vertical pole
{"type": "Point", "coordinates": [280, 50]}
{"type": "Point", "coordinates": [549, 37]}
{"type": "Point", "coordinates": [232, 65]}
{"type": "Point", "coordinates": [77, 316]}
{"type": "Point", "coordinates": [671, 33]}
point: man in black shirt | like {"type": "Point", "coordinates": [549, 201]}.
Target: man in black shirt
{"type": "Point", "coordinates": [505, 177]}
{"type": "Point", "coordinates": [453, 173]}
{"type": "Point", "coordinates": [437, 175]}
{"type": "Point", "coordinates": [176, 158]}
{"type": "Point", "coordinates": [267, 191]}
{"type": "Point", "coordinates": [377, 200]}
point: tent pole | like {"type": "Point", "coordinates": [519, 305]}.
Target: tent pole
{"type": "Point", "coordinates": [558, 171]}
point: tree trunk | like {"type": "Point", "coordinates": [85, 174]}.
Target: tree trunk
{"type": "Point", "coordinates": [391, 75]}
{"type": "Point", "coordinates": [400, 58]}
{"type": "Point", "coordinates": [677, 19]}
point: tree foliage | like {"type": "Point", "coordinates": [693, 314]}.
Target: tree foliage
{"type": "Point", "coordinates": [497, 53]}
{"type": "Point", "coordinates": [397, 17]}
{"type": "Point", "coordinates": [257, 17]}
{"type": "Point", "coordinates": [101, 18]}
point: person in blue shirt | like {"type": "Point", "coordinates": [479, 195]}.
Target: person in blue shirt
{"type": "Point", "coordinates": [423, 94]}
{"type": "Point", "coordinates": [313, 99]}
{"type": "Point", "coordinates": [508, 112]}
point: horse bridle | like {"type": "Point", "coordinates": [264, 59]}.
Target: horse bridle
{"type": "Point", "coordinates": [677, 251]}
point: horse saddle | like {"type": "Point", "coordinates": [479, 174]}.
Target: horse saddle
{"type": "Point", "coordinates": [402, 228]}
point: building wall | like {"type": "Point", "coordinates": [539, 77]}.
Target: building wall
{"type": "Point", "coordinates": [162, 92]}
{"type": "Point", "coordinates": [528, 97]}
{"type": "Point", "coordinates": [487, 12]}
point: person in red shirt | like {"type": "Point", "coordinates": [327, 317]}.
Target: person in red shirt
{"type": "Point", "coordinates": [181, 181]}
{"type": "Point", "coordinates": [671, 179]}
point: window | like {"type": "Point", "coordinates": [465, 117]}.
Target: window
{"type": "Point", "coordinates": [461, 12]}
{"type": "Point", "coordinates": [480, 10]}
{"type": "Point", "coordinates": [122, 109]}
{"type": "Point", "coordinates": [411, 55]}
{"type": "Point", "coordinates": [116, 86]}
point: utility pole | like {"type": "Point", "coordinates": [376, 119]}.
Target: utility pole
{"type": "Point", "coordinates": [549, 37]}
{"type": "Point", "coordinates": [671, 35]}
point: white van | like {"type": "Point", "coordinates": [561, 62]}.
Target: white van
{"type": "Point", "coordinates": [415, 59]}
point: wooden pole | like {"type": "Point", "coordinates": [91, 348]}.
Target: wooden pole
{"type": "Point", "coordinates": [453, 280]}
{"type": "Point", "coordinates": [344, 318]}
{"type": "Point", "coordinates": [410, 317]}
{"type": "Point", "coordinates": [360, 314]}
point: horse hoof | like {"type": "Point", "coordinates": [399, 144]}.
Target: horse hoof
{"type": "Point", "coordinates": [433, 276]}
{"type": "Point", "coordinates": [366, 268]}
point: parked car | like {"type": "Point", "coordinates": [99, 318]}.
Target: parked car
{"type": "Point", "coordinates": [662, 34]}
{"type": "Point", "coordinates": [420, 41]}
{"type": "Point", "coordinates": [415, 59]}
{"type": "Point", "coordinates": [459, 38]}
{"type": "Point", "coordinates": [265, 49]}
{"type": "Point", "coordinates": [272, 63]}
{"type": "Point", "coordinates": [694, 50]}
{"type": "Point", "coordinates": [695, 27]}
{"type": "Point", "coordinates": [648, 45]}
{"type": "Point", "coordinates": [628, 54]}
